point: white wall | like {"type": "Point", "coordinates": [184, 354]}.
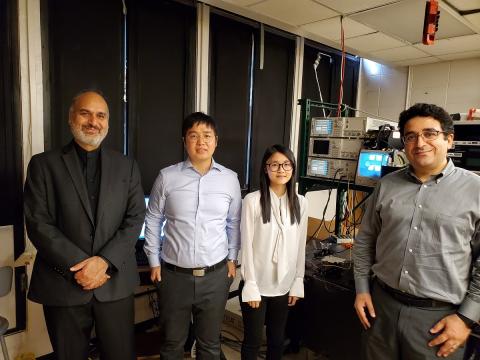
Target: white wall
{"type": "Point", "coordinates": [382, 90]}
{"type": "Point", "coordinates": [453, 85]}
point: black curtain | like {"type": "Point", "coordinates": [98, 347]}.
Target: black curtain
{"type": "Point", "coordinates": [161, 51]}
{"type": "Point", "coordinates": [273, 91]}
{"type": "Point", "coordinates": [252, 105]}
{"type": "Point", "coordinates": [84, 42]}
{"type": "Point", "coordinates": [231, 46]}
{"type": "Point", "coordinates": [11, 173]}
{"type": "Point", "coordinates": [329, 76]}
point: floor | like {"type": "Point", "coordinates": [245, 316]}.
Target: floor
{"type": "Point", "coordinates": [232, 335]}
{"type": "Point", "coordinates": [231, 342]}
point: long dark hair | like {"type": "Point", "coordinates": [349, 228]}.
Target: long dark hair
{"type": "Point", "coordinates": [265, 201]}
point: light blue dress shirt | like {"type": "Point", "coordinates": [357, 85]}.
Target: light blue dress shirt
{"type": "Point", "coordinates": [201, 215]}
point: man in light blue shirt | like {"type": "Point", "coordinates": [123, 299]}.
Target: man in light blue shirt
{"type": "Point", "coordinates": [194, 262]}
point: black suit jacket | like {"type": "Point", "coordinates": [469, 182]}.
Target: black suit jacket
{"type": "Point", "coordinates": [60, 224]}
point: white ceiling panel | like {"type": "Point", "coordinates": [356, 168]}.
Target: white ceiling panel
{"type": "Point", "coordinates": [404, 20]}
{"type": "Point", "coordinates": [296, 12]}
{"type": "Point", "coordinates": [401, 53]}
{"type": "Point", "coordinates": [474, 19]}
{"type": "Point", "coordinates": [465, 4]}
{"type": "Point", "coordinates": [460, 55]}
{"type": "Point", "coordinates": [243, 2]}
{"type": "Point", "coordinates": [349, 6]}
{"type": "Point", "coordinates": [330, 28]}
{"type": "Point", "coordinates": [373, 42]}
{"type": "Point", "coordinates": [427, 60]}
{"type": "Point", "coordinates": [389, 31]}
{"type": "Point", "coordinates": [453, 45]}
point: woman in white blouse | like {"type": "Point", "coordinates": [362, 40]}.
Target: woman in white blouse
{"type": "Point", "coordinates": [274, 230]}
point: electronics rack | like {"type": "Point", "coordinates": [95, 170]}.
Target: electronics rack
{"type": "Point", "coordinates": [309, 183]}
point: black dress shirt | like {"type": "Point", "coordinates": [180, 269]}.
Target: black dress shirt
{"type": "Point", "coordinates": [91, 170]}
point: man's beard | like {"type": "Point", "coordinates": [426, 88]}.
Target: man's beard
{"type": "Point", "coordinates": [92, 140]}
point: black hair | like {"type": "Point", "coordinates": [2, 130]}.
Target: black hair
{"type": "Point", "coordinates": [265, 201]}
{"type": "Point", "coordinates": [198, 118]}
{"type": "Point", "coordinates": [426, 110]}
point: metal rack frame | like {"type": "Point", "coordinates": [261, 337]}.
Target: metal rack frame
{"type": "Point", "coordinates": [310, 183]}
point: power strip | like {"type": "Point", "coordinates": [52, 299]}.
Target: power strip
{"type": "Point", "coordinates": [341, 239]}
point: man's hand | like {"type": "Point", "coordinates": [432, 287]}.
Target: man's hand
{"type": "Point", "coordinates": [453, 334]}
{"type": "Point", "coordinates": [292, 300]}
{"type": "Point", "coordinates": [91, 273]}
{"type": "Point", "coordinates": [362, 301]}
{"type": "Point", "coordinates": [254, 304]}
{"type": "Point", "coordinates": [156, 274]}
{"type": "Point", "coordinates": [232, 269]}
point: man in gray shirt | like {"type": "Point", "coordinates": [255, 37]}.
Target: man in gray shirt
{"type": "Point", "coordinates": [417, 281]}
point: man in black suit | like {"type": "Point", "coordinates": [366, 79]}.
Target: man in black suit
{"type": "Point", "coordinates": [84, 209]}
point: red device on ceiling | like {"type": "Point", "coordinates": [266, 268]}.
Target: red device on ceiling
{"type": "Point", "coordinates": [430, 23]}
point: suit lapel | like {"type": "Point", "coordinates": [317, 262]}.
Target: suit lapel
{"type": "Point", "coordinates": [105, 179]}
{"type": "Point", "coordinates": [72, 163]}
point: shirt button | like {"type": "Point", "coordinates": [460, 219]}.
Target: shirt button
{"type": "Point", "coordinates": [420, 206]}
{"type": "Point", "coordinates": [406, 271]}
{"type": "Point", "coordinates": [415, 228]}
{"type": "Point", "coordinates": [425, 186]}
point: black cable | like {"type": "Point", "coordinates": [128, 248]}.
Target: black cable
{"type": "Point", "coordinates": [322, 221]}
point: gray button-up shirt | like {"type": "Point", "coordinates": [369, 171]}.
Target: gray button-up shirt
{"type": "Point", "coordinates": [417, 237]}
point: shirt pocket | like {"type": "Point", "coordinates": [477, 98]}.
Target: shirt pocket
{"type": "Point", "coordinates": [448, 236]}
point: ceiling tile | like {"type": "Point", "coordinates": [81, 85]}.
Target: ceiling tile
{"type": "Point", "coordinates": [465, 4]}
{"type": "Point", "coordinates": [427, 60]}
{"type": "Point", "coordinates": [373, 42]}
{"type": "Point", "coordinates": [474, 19]}
{"type": "Point", "coordinates": [460, 55]}
{"type": "Point", "coordinates": [349, 6]}
{"type": "Point", "coordinates": [243, 2]}
{"type": "Point", "coordinates": [330, 28]}
{"type": "Point", "coordinates": [404, 20]}
{"type": "Point", "coordinates": [401, 53]}
{"type": "Point", "coordinates": [453, 45]}
{"type": "Point", "coordinates": [296, 12]}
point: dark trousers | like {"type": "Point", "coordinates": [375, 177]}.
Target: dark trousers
{"type": "Point", "coordinates": [70, 327]}
{"type": "Point", "coordinates": [183, 297]}
{"type": "Point", "coordinates": [401, 332]}
{"type": "Point", "coordinates": [273, 312]}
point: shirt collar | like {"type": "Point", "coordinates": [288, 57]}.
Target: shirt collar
{"type": "Point", "coordinates": [447, 170]}
{"type": "Point", "coordinates": [188, 164]}
{"type": "Point", "coordinates": [84, 154]}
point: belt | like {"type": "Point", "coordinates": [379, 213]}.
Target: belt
{"type": "Point", "coordinates": [200, 271]}
{"type": "Point", "coordinates": [412, 300]}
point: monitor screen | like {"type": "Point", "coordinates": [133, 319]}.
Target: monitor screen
{"type": "Point", "coordinates": [369, 166]}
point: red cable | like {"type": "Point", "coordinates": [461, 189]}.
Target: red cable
{"type": "Point", "coordinates": [342, 68]}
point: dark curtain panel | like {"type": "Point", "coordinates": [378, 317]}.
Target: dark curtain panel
{"type": "Point", "coordinates": [84, 41]}
{"type": "Point", "coordinates": [161, 49]}
{"type": "Point", "coordinates": [329, 76]}
{"type": "Point", "coordinates": [11, 194]}
{"type": "Point", "coordinates": [273, 93]}
{"type": "Point", "coordinates": [230, 64]}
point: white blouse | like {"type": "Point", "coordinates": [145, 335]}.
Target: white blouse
{"type": "Point", "coordinates": [273, 254]}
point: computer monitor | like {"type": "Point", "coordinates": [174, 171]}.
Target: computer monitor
{"type": "Point", "coordinates": [369, 167]}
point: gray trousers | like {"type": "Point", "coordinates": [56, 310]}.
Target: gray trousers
{"type": "Point", "coordinates": [401, 332]}
{"type": "Point", "coordinates": [183, 296]}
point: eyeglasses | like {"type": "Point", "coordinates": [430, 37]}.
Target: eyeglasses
{"type": "Point", "coordinates": [207, 138]}
{"type": "Point", "coordinates": [427, 135]}
{"type": "Point", "coordinates": [287, 166]}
